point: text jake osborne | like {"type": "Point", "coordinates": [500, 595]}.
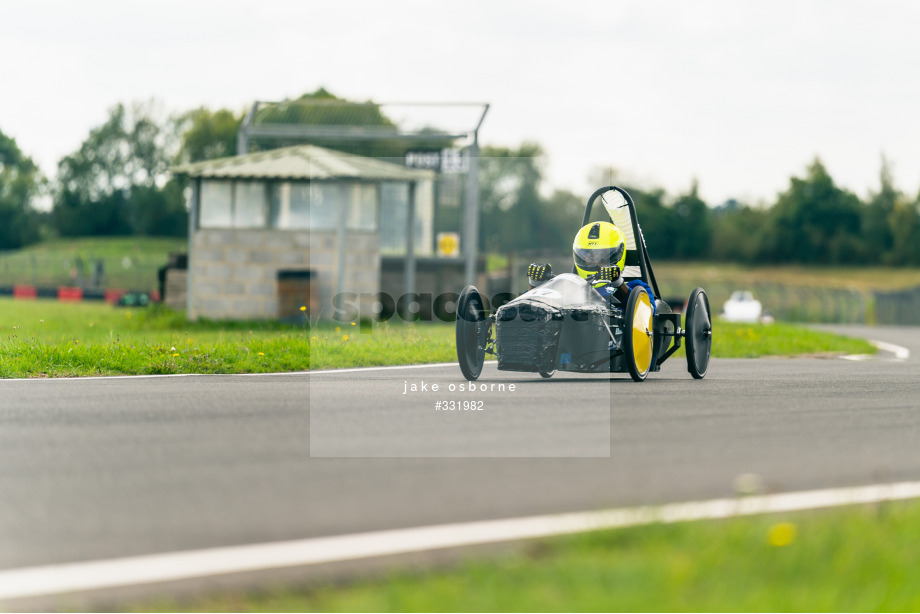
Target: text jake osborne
{"type": "Point", "coordinates": [423, 386]}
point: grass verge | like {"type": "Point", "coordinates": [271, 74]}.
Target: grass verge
{"type": "Point", "coordinates": [52, 339]}
{"type": "Point", "coordinates": [733, 340]}
{"type": "Point", "coordinates": [844, 559]}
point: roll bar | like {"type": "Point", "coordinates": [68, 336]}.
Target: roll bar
{"type": "Point", "coordinates": [645, 266]}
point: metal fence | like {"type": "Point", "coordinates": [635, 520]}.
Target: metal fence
{"type": "Point", "coordinates": [788, 303]}
{"type": "Point", "coordinates": [901, 307]}
{"type": "Point", "coordinates": [127, 272]}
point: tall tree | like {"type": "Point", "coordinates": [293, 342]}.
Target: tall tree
{"type": "Point", "coordinates": [105, 186]}
{"type": "Point", "coordinates": [877, 214]}
{"type": "Point", "coordinates": [208, 134]}
{"type": "Point", "coordinates": [20, 182]}
{"type": "Point", "coordinates": [738, 232]}
{"type": "Point", "coordinates": [904, 222]}
{"type": "Point", "coordinates": [815, 221]}
{"type": "Point", "coordinates": [514, 215]}
{"type": "Point", "coordinates": [691, 215]}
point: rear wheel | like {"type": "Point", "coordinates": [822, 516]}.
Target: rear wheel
{"type": "Point", "coordinates": [698, 334]}
{"type": "Point", "coordinates": [638, 340]}
{"type": "Point", "coordinates": [472, 330]}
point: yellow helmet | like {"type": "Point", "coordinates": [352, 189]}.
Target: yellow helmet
{"type": "Point", "coordinates": [598, 244]}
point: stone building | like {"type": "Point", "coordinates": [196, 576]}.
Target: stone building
{"type": "Point", "coordinates": [273, 230]}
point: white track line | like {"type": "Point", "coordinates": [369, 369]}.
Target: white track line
{"type": "Point", "coordinates": [93, 378]}
{"type": "Point", "coordinates": [900, 353]}
{"type": "Point", "coordinates": [137, 570]}
{"type": "Point", "coordinates": [363, 369]}
{"type": "Point", "coordinates": [326, 372]}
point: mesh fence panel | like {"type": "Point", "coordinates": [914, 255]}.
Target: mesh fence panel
{"type": "Point", "coordinates": [129, 272]}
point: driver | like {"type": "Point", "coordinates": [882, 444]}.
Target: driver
{"type": "Point", "coordinates": [600, 255]}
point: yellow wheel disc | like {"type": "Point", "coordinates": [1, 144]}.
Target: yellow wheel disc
{"type": "Point", "coordinates": [641, 332]}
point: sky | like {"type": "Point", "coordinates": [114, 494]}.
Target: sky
{"type": "Point", "coordinates": [738, 96]}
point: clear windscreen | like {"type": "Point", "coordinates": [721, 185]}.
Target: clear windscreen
{"type": "Point", "coordinates": [564, 291]}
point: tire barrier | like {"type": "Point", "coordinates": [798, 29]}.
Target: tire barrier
{"type": "Point", "coordinates": [71, 294]}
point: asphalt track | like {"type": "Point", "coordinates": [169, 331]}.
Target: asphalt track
{"type": "Point", "coordinates": [110, 467]}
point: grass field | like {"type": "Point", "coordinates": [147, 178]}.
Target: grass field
{"type": "Point", "coordinates": [859, 559]}
{"type": "Point", "coordinates": [130, 262]}
{"type": "Point", "coordinates": [52, 339]}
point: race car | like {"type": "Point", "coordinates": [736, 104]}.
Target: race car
{"type": "Point", "coordinates": [565, 324]}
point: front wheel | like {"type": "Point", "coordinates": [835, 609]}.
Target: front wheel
{"type": "Point", "coordinates": [698, 334]}
{"type": "Point", "coordinates": [472, 331]}
{"type": "Point", "coordinates": [638, 340]}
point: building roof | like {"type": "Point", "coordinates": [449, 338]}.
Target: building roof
{"type": "Point", "coordinates": [302, 162]}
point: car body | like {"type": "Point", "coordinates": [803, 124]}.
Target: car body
{"type": "Point", "coordinates": [564, 324]}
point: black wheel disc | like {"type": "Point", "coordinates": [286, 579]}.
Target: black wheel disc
{"type": "Point", "coordinates": [698, 334]}
{"type": "Point", "coordinates": [472, 330]}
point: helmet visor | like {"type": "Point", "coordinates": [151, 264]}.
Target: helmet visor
{"type": "Point", "coordinates": [594, 259]}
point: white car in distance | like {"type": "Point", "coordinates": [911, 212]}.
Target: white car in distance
{"type": "Point", "coordinates": [742, 307]}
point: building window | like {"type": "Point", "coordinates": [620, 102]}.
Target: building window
{"type": "Point", "coordinates": [233, 204]}
{"type": "Point", "coordinates": [216, 209]}
{"type": "Point", "coordinates": [320, 205]}
{"type": "Point", "coordinates": [394, 211]}
{"type": "Point", "coordinates": [249, 204]}
{"type": "Point", "coordinates": [290, 205]}
{"type": "Point", "coordinates": [394, 216]}
{"type": "Point", "coordinates": [362, 210]}
{"type": "Point", "coordinates": [326, 202]}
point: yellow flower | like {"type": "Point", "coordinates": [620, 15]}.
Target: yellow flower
{"type": "Point", "coordinates": [261, 353]}
{"type": "Point", "coordinates": [353, 324]}
{"type": "Point", "coordinates": [782, 534]}
{"type": "Point", "coordinates": [337, 329]}
{"type": "Point", "coordinates": [303, 307]}
{"type": "Point", "coordinates": [345, 338]}
{"type": "Point", "coordinates": [313, 338]}
{"type": "Point", "coordinates": [174, 355]}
